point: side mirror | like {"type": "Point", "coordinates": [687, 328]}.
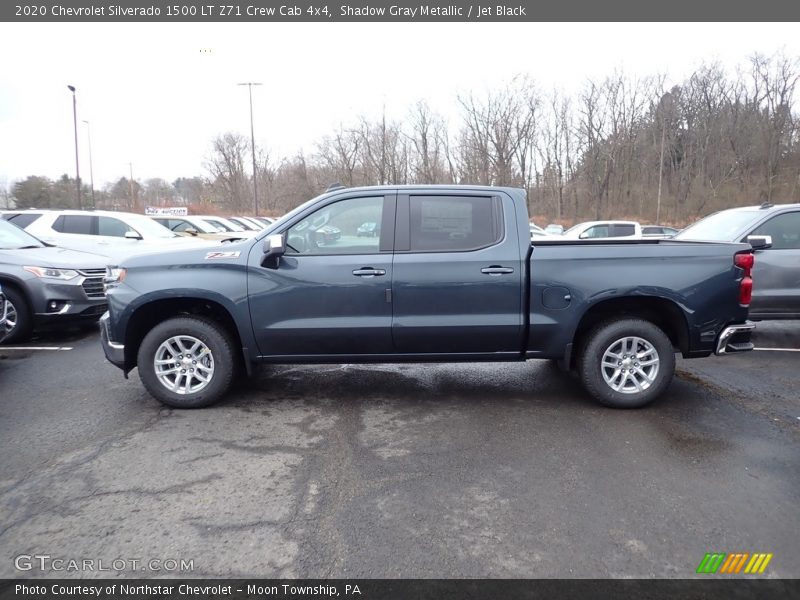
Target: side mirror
{"type": "Point", "coordinates": [132, 235]}
{"type": "Point", "coordinates": [274, 248]}
{"type": "Point", "coordinates": [191, 231]}
{"type": "Point", "coordinates": [760, 242]}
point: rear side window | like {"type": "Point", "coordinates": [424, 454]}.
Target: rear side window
{"type": "Point", "coordinates": [74, 224]}
{"type": "Point", "coordinates": [784, 229]}
{"type": "Point", "coordinates": [22, 219]}
{"type": "Point", "coordinates": [454, 223]}
{"type": "Point", "coordinates": [624, 229]}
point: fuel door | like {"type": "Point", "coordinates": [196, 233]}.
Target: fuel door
{"type": "Point", "coordinates": [556, 297]}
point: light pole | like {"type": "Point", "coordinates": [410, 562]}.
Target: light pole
{"type": "Point", "coordinates": [130, 182]}
{"type": "Point", "coordinates": [250, 85]}
{"type": "Point", "coordinates": [91, 167]}
{"type": "Point", "coordinates": [75, 127]}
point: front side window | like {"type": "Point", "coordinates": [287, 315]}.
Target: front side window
{"type": "Point", "coordinates": [597, 231]}
{"type": "Point", "coordinates": [338, 228]}
{"type": "Point", "coordinates": [450, 223]}
{"type": "Point", "coordinates": [113, 227]}
{"type": "Point", "coordinates": [784, 229]}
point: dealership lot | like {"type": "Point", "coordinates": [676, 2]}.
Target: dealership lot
{"type": "Point", "coordinates": [496, 470]}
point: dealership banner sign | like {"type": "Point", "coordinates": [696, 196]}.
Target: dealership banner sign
{"type": "Point", "coordinates": [166, 211]}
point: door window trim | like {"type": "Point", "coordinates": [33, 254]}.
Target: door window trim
{"type": "Point", "coordinates": [403, 222]}
{"type": "Point", "coordinates": [387, 235]}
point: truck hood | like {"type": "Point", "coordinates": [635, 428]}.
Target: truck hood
{"type": "Point", "coordinates": [57, 258]}
{"type": "Point", "coordinates": [203, 254]}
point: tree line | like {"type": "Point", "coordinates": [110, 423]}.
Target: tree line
{"type": "Point", "coordinates": [621, 146]}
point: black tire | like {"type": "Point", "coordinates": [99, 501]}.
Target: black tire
{"type": "Point", "coordinates": [18, 310]}
{"type": "Point", "coordinates": [216, 342]}
{"type": "Point", "coordinates": [651, 378]}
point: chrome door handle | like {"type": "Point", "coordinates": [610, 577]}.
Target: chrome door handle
{"type": "Point", "coordinates": [369, 272]}
{"type": "Point", "coordinates": [494, 270]}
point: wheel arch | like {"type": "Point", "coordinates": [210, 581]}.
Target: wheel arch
{"type": "Point", "coordinates": [150, 314]}
{"type": "Point", "coordinates": [662, 312]}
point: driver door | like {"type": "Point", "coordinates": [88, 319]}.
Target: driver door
{"type": "Point", "coordinates": [330, 293]}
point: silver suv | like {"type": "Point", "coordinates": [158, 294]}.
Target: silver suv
{"type": "Point", "coordinates": [44, 285]}
{"type": "Point", "coordinates": [776, 274]}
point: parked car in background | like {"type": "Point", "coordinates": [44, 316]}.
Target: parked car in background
{"type": "Point", "coordinates": [193, 227]}
{"type": "Point", "coordinates": [228, 226]}
{"type": "Point", "coordinates": [368, 229]}
{"type": "Point", "coordinates": [115, 235]}
{"type": "Point", "coordinates": [248, 223]}
{"type": "Point", "coordinates": [591, 230]}
{"type": "Point", "coordinates": [554, 229]}
{"type": "Point", "coordinates": [774, 233]}
{"type": "Point", "coordinates": [2, 315]}
{"type": "Point", "coordinates": [661, 231]}
{"type": "Point", "coordinates": [45, 285]}
{"type": "Point", "coordinates": [266, 220]}
{"type": "Point", "coordinates": [328, 234]}
{"type": "Point", "coordinates": [538, 232]}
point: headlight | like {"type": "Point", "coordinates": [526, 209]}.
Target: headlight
{"type": "Point", "coordinates": [114, 276]}
{"type": "Point", "coordinates": [48, 273]}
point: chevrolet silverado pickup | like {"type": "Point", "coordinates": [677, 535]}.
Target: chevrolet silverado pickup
{"type": "Point", "coordinates": [450, 275]}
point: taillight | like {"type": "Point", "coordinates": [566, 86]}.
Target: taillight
{"type": "Point", "coordinates": [745, 261]}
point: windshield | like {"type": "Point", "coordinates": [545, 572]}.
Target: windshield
{"type": "Point", "coordinates": [14, 238]}
{"type": "Point", "coordinates": [204, 226]}
{"type": "Point", "coordinates": [223, 223]}
{"type": "Point", "coordinates": [725, 226]}
{"type": "Point", "coordinates": [147, 228]}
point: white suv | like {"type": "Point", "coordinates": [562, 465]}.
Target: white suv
{"type": "Point", "coordinates": [115, 235]}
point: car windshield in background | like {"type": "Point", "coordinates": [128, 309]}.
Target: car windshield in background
{"type": "Point", "coordinates": [14, 238]}
{"type": "Point", "coordinates": [149, 228]}
{"type": "Point", "coordinates": [720, 227]}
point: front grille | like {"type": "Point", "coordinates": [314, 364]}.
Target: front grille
{"type": "Point", "coordinates": [93, 286]}
{"type": "Point", "coordinates": [95, 311]}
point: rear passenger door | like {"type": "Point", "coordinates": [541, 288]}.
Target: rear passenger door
{"type": "Point", "coordinates": [457, 285]}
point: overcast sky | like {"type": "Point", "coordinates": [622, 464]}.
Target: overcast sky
{"type": "Point", "coordinates": [156, 94]}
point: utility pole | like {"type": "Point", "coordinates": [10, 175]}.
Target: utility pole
{"type": "Point", "coordinates": [250, 85]}
{"type": "Point", "coordinates": [75, 127]}
{"type": "Point", "coordinates": [130, 183]}
{"type": "Point", "coordinates": [91, 167]}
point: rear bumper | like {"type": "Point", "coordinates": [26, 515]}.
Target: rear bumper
{"type": "Point", "coordinates": [735, 338]}
{"type": "Point", "coordinates": [115, 353]}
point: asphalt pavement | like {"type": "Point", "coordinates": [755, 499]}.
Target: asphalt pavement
{"type": "Point", "coordinates": [471, 470]}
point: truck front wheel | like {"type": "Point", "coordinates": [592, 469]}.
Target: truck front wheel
{"type": "Point", "coordinates": [186, 362]}
{"type": "Point", "coordinates": [626, 363]}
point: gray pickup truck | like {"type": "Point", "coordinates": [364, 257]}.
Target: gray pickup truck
{"type": "Point", "coordinates": [450, 274]}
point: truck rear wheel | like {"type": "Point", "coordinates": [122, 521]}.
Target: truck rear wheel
{"type": "Point", "coordinates": [186, 362]}
{"type": "Point", "coordinates": [626, 363]}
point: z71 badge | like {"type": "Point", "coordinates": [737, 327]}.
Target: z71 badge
{"type": "Point", "coordinates": [218, 255]}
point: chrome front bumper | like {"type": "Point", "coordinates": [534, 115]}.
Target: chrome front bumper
{"type": "Point", "coordinates": [735, 338]}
